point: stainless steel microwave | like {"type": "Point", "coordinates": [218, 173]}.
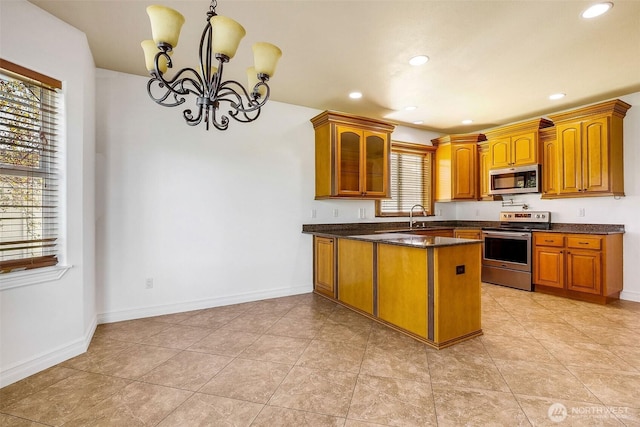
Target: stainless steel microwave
{"type": "Point", "coordinates": [515, 180]}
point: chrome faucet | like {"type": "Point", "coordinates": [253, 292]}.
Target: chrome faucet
{"type": "Point", "coordinates": [411, 220]}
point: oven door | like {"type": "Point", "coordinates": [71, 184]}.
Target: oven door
{"type": "Point", "coordinates": [507, 249]}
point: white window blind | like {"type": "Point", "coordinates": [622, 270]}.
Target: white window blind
{"type": "Point", "coordinates": [29, 107]}
{"type": "Point", "coordinates": [411, 180]}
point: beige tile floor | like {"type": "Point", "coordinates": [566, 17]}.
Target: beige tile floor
{"type": "Point", "coordinates": [303, 360]}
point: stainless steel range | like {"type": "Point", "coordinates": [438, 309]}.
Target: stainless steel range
{"type": "Point", "coordinates": [506, 258]}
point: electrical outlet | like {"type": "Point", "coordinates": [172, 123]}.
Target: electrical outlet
{"type": "Point", "coordinates": [313, 213]}
{"type": "Point", "coordinates": [362, 213]}
{"type": "Point", "coordinates": [148, 284]}
{"type": "Point", "coordinates": [581, 212]}
{"type": "Point", "coordinates": [335, 213]}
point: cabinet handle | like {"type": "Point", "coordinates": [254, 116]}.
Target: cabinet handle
{"type": "Point", "coordinates": [583, 243]}
{"type": "Point", "coordinates": [549, 241]}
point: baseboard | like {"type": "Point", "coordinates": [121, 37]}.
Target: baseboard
{"type": "Point", "coordinates": [630, 296]}
{"type": "Point", "coordinates": [159, 310]}
{"type": "Point", "coordinates": [45, 360]}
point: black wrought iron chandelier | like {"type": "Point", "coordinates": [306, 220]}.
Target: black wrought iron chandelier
{"type": "Point", "coordinates": [216, 100]}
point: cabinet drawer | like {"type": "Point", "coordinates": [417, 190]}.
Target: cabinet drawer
{"type": "Point", "coordinates": [584, 242]}
{"type": "Point", "coordinates": [548, 239]}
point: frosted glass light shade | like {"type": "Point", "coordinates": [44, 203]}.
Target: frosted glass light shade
{"type": "Point", "coordinates": [265, 58]}
{"type": "Point", "coordinates": [165, 24]}
{"type": "Point", "coordinates": [252, 78]}
{"type": "Point", "coordinates": [227, 34]}
{"type": "Point", "coordinates": [150, 50]}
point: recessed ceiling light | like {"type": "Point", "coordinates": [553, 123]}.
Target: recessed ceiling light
{"type": "Point", "coordinates": [355, 95]}
{"type": "Point", "coordinates": [597, 10]}
{"type": "Point", "coordinates": [419, 60]}
{"type": "Point", "coordinates": [410, 108]}
{"type": "Point", "coordinates": [418, 122]}
{"type": "Point", "coordinates": [467, 122]}
{"type": "Point", "coordinates": [557, 96]}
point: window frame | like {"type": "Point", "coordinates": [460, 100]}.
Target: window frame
{"type": "Point", "coordinates": [411, 149]}
{"type": "Point", "coordinates": [36, 269]}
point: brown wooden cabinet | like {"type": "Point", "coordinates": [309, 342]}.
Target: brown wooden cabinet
{"type": "Point", "coordinates": [590, 150]}
{"type": "Point", "coordinates": [324, 265]}
{"type": "Point", "coordinates": [468, 233]}
{"type": "Point", "coordinates": [356, 274]}
{"type": "Point", "coordinates": [484, 165]}
{"type": "Point", "coordinates": [581, 266]}
{"type": "Point", "coordinates": [352, 156]}
{"type": "Point", "coordinates": [516, 144]}
{"type": "Point", "coordinates": [445, 232]}
{"type": "Point", "coordinates": [549, 162]}
{"type": "Point", "coordinates": [456, 167]}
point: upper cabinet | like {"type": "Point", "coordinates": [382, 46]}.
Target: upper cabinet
{"type": "Point", "coordinates": [457, 167]}
{"type": "Point", "coordinates": [515, 145]}
{"type": "Point", "coordinates": [549, 146]}
{"type": "Point", "coordinates": [590, 151]}
{"type": "Point", "coordinates": [352, 156]}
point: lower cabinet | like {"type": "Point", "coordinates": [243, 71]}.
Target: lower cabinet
{"type": "Point", "coordinates": [324, 273]}
{"type": "Point", "coordinates": [468, 233]}
{"type": "Point", "coordinates": [355, 274]}
{"type": "Point", "coordinates": [580, 266]}
{"type": "Point", "coordinates": [431, 293]}
{"type": "Point", "coordinates": [447, 232]}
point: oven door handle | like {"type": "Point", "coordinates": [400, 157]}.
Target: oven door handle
{"type": "Point", "coordinates": [505, 234]}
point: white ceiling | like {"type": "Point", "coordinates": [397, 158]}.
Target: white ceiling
{"type": "Point", "coordinates": [495, 62]}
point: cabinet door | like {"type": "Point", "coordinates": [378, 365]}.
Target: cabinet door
{"type": "Point", "coordinates": [584, 271]}
{"type": "Point", "coordinates": [524, 149]}
{"type": "Point", "coordinates": [376, 164]}
{"type": "Point", "coordinates": [500, 152]}
{"type": "Point", "coordinates": [324, 266]}
{"type": "Point", "coordinates": [595, 155]}
{"type": "Point", "coordinates": [569, 158]}
{"type": "Point", "coordinates": [464, 172]}
{"type": "Point", "coordinates": [548, 263]}
{"type": "Point", "coordinates": [349, 142]}
{"type": "Point", "coordinates": [485, 164]}
{"type": "Point", "coordinates": [355, 274]}
{"type": "Point", "coordinates": [468, 234]}
{"type": "Point", "coordinates": [550, 167]}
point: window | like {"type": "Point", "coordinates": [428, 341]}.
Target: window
{"type": "Point", "coordinates": [29, 107]}
{"type": "Point", "coordinates": [411, 179]}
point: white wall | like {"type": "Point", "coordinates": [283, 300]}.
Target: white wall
{"type": "Point", "coordinates": [46, 323]}
{"type": "Point", "coordinates": [598, 210]}
{"type": "Point", "coordinates": [212, 217]}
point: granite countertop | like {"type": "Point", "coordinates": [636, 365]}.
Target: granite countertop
{"type": "Point", "coordinates": [411, 240]}
{"type": "Point", "coordinates": [370, 228]}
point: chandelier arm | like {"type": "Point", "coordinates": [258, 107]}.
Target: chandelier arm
{"type": "Point", "coordinates": [161, 99]}
{"type": "Point", "coordinates": [223, 124]}
{"type": "Point", "coordinates": [188, 116]}
{"type": "Point", "coordinates": [253, 102]}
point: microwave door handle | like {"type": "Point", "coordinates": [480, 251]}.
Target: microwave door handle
{"type": "Point", "coordinates": [506, 234]}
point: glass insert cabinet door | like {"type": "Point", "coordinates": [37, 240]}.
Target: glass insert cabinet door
{"type": "Point", "coordinates": [349, 156]}
{"type": "Point", "coordinates": [375, 164]}
{"type": "Point", "coordinates": [362, 162]}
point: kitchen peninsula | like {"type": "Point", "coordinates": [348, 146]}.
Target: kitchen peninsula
{"type": "Point", "coordinates": [425, 286]}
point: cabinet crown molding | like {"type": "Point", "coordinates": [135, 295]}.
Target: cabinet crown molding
{"type": "Point", "coordinates": [349, 119]}
{"type": "Point", "coordinates": [615, 107]}
{"type": "Point", "coordinates": [520, 127]}
{"type": "Point", "coordinates": [460, 138]}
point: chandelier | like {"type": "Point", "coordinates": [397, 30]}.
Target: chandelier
{"type": "Point", "coordinates": [215, 99]}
